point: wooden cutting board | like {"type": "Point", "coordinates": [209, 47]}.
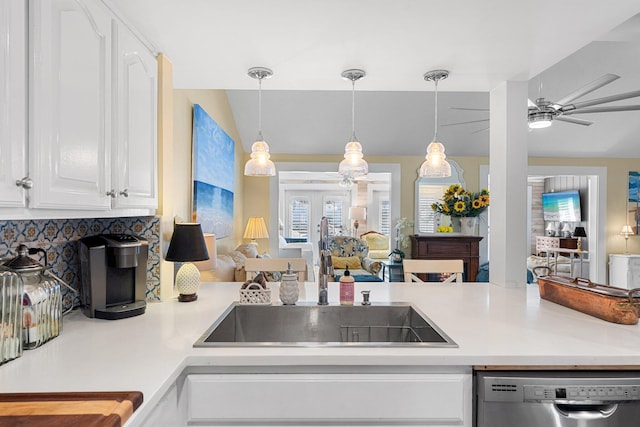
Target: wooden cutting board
{"type": "Point", "coordinates": [77, 409]}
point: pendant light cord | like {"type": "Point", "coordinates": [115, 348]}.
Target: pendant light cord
{"type": "Point", "coordinates": [353, 110]}
{"type": "Point", "coordinates": [260, 107]}
{"type": "Point", "coordinates": [435, 131]}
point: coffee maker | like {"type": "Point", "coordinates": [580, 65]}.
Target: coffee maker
{"type": "Point", "coordinates": [113, 269]}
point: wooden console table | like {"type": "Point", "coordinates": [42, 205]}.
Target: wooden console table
{"type": "Point", "coordinates": [440, 246]}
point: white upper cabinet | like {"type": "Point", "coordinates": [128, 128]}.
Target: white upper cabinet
{"type": "Point", "coordinates": [13, 101]}
{"type": "Point", "coordinates": [70, 104]}
{"type": "Point", "coordinates": [135, 145]}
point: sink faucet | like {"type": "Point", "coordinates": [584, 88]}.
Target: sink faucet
{"type": "Point", "coordinates": [326, 267]}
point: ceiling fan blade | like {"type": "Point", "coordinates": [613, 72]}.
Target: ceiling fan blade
{"type": "Point", "coordinates": [469, 109]}
{"type": "Point", "coordinates": [481, 130]}
{"type": "Point", "coordinates": [465, 123]}
{"type": "Point", "coordinates": [611, 109]}
{"type": "Point", "coordinates": [532, 104]}
{"type": "Point", "coordinates": [574, 120]}
{"type": "Point", "coordinates": [588, 88]}
{"type": "Point", "coordinates": [604, 100]}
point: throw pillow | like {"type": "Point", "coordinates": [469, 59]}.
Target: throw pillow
{"type": "Point", "coordinates": [248, 250]}
{"type": "Point", "coordinates": [342, 262]}
{"type": "Point", "coordinates": [224, 271]}
{"type": "Point", "coordinates": [377, 241]}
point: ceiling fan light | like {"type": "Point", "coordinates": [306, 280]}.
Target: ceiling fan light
{"type": "Point", "coordinates": [260, 163]}
{"type": "Point", "coordinates": [435, 164]}
{"type": "Point", "coordinates": [540, 120]}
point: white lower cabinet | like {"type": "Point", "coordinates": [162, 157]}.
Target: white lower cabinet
{"type": "Point", "coordinates": [306, 399]}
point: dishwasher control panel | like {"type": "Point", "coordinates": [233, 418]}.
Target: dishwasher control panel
{"type": "Point", "coordinates": [601, 393]}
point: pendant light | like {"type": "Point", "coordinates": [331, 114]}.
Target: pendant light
{"type": "Point", "coordinates": [435, 164]}
{"type": "Point", "coordinates": [353, 164]}
{"type": "Point", "coordinates": [260, 164]}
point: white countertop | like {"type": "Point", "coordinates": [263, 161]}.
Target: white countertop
{"type": "Point", "coordinates": [490, 324]}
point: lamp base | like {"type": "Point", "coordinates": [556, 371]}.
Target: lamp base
{"type": "Point", "coordinates": [187, 298]}
{"type": "Point", "coordinates": [188, 282]}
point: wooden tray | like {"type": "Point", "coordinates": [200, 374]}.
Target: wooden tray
{"type": "Point", "coordinates": [86, 409]}
{"type": "Point", "coordinates": [608, 303]}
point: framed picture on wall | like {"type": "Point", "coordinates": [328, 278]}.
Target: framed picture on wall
{"type": "Point", "coordinates": [633, 202]}
{"type": "Point", "coordinates": [213, 175]}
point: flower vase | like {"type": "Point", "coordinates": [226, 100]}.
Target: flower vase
{"type": "Point", "coordinates": [468, 225]}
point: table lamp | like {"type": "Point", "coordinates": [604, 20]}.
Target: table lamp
{"type": "Point", "coordinates": [256, 229]}
{"type": "Point", "coordinates": [357, 213]}
{"type": "Point", "coordinates": [626, 232]}
{"type": "Point", "coordinates": [187, 245]}
{"type": "Point", "coordinates": [579, 232]}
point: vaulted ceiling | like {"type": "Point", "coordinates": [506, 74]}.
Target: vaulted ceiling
{"type": "Point", "coordinates": [308, 43]}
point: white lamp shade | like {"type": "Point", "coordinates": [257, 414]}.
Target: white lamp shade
{"type": "Point", "coordinates": [212, 262]}
{"type": "Point", "coordinates": [626, 230]}
{"type": "Point", "coordinates": [256, 229]}
{"type": "Point", "coordinates": [357, 212]}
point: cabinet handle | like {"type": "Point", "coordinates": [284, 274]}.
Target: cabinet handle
{"type": "Point", "coordinates": [25, 183]}
{"type": "Point", "coordinates": [125, 193]}
{"type": "Point", "coordinates": [112, 193]}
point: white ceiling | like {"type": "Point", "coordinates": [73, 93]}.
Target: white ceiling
{"type": "Point", "coordinates": [308, 43]}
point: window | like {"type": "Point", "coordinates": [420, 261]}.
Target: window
{"type": "Point", "coordinates": [427, 195]}
{"type": "Point", "coordinates": [334, 210]}
{"type": "Point", "coordinates": [385, 217]}
{"type": "Point", "coordinates": [298, 218]}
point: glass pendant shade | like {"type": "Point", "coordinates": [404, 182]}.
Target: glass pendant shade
{"type": "Point", "coordinates": [260, 163]}
{"type": "Point", "coordinates": [353, 164]}
{"type": "Point", "coordinates": [435, 164]}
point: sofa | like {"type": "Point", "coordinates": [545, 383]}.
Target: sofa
{"type": "Point", "coordinates": [378, 244]}
{"type": "Point", "coordinates": [230, 266]}
{"type": "Point", "coordinates": [353, 253]}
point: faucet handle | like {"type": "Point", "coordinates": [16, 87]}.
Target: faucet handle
{"type": "Point", "coordinates": [365, 297]}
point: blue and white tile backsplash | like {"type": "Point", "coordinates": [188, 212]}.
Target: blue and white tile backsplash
{"type": "Point", "coordinates": [58, 238]}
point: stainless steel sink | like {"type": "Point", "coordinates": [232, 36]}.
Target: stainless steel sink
{"type": "Point", "coordinates": [393, 324]}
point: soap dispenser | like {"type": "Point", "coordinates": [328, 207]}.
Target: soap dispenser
{"type": "Point", "coordinates": [289, 291]}
{"type": "Point", "coordinates": [346, 288]}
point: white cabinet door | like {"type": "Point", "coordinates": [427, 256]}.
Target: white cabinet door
{"type": "Point", "coordinates": [329, 399]}
{"type": "Point", "coordinates": [134, 175]}
{"type": "Point", "coordinates": [70, 104]}
{"type": "Point", "coordinates": [13, 101]}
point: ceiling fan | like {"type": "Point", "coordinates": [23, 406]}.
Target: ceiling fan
{"type": "Point", "coordinates": [542, 112]}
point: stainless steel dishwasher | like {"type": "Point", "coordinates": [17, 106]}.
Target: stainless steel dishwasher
{"type": "Point", "coordinates": [557, 399]}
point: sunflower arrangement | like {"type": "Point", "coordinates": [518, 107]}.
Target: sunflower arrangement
{"type": "Point", "coordinates": [458, 202]}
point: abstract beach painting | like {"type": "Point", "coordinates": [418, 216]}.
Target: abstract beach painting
{"type": "Point", "coordinates": [213, 175]}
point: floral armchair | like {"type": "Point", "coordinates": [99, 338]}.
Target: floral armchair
{"type": "Point", "coordinates": [352, 252]}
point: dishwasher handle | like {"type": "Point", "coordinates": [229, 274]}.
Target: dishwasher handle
{"type": "Point", "coordinates": [585, 411]}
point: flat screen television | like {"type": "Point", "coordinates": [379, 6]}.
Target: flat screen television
{"type": "Point", "coordinates": [562, 206]}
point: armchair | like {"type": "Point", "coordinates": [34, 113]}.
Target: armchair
{"type": "Point", "coordinates": [353, 252]}
{"type": "Point", "coordinates": [378, 244]}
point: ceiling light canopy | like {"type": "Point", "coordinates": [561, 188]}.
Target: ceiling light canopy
{"type": "Point", "coordinates": [353, 164]}
{"type": "Point", "coordinates": [260, 163]}
{"type": "Point", "coordinates": [435, 164]}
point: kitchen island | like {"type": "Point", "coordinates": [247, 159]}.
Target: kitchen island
{"type": "Point", "coordinates": [492, 326]}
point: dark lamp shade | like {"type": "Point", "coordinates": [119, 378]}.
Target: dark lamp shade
{"type": "Point", "coordinates": [579, 232]}
{"type": "Point", "coordinates": [187, 244]}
